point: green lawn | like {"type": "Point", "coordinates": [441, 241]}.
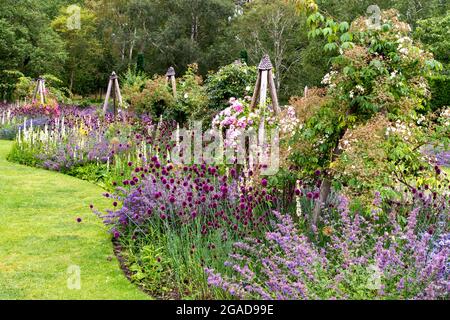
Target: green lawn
{"type": "Point", "coordinates": [40, 238]}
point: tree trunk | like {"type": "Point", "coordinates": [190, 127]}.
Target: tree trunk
{"type": "Point", "coordinates": [195, 7]}
{"type": "Point", "coordinates": [325, 190]}
{"type": "Point", "coordinates": [71, 81]}
{"type": "Point", "coordinates": [325, 187]}
{"type": "Point", "coordinates": [133, 41]}
{"type": "Point", "coordinates": [122, 51]}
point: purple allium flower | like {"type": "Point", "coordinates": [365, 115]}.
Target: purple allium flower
{"type": "Point", "coordinates": [264, 182]}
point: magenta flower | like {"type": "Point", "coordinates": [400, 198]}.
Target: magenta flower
{"type": "Point", "coordinates": [264, 182]}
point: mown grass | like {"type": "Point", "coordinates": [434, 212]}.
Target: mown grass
{"type": "Point", "coordinates": [40, 237]}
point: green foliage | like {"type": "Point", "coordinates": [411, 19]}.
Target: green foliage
{"type": "Point", "coordinates": [117, 35]}
{"type": "Point", "coordinates": [25, 157]}
{"type": "Point", "coordinates": [92, 172]}
{"type": "Point", "coordinates": [192, 101]}
{"type": "Point", "coordinates": [272, 27]}
{"type": "Point", "coordinates": [9, 78]}
{"type": "Point", "coordinates": [140, 64]}
{"type": "Point", "coordinates": [375, 85]}
{"type": "Point", "coordinates": [440, 92]}
{"type": "Point", "coordinates": [410, 11]}
{"type": "Point", "coordinates": [132, 83]}
{"type": "Point", "coordinates": [155, 99]}
{"type": "Point", "coordinates": [155, 96]}
{"type": "Point", "coordinates": [235, 80]}
{"type": "Point", "coordinates": [169, 262]}
{"type": "Point", "coordinates": [27, 42]}
{"type": "Point", "coordinates": [433, 33]}
{"type": "Point", "coordinates": [83, 46]}
{"type": "Point", "coordinates": [8, 131]}
{"type": "Point", "coordinates": [25, 86]}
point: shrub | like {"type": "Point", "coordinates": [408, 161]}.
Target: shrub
{"type": "Point", "coordinates": [366, 134]}
{"type": "Point", "coordinates": [234, 80]}
{"type": "Point", "coordinates": [132, 82]}
{"type": "Point", "coordinates": [192, 100]}
{"type": "Point", "coordinates": [8, 80]}
{"type": "Point", "coordinates": [25, 87]}
{"type": "Point", "coordinates": [440, 93]}
{"type": "Point", "coordinates": [155, 99]}
{"type": "Point", "coordinates": [8, 132]}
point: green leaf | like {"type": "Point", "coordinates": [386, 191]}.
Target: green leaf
{"type": "Point", "coordinates": [346, 37]}
{"type": "Point", "coordinates": [347, 70]}
{"type": "Point", "coordinates": [327, 31]}
{"type": "Point", "coordinates": [330, 46]}
{"type": "Point", "coordinates": [347, 45]}
{"type": "Point", "coordinates": [344, 26]}
{"type": "Point", "coordinates": [385, 27]}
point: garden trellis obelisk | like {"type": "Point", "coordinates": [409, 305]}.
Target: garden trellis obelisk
{"type": "Point", "coordinates": [265, 81]}
{"type": "Point", "coordinates": [170, 78]}
{"type": "Point", "coordinates": [113, 87]}
{"type": "Point", "coordinates": [40, 90]}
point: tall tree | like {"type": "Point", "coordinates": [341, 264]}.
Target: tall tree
{"type": "Point", "coordinates": [27, 42]}
{"type": "Point", "coordinates": [82, 45]}
{"type": "Point", "coordinates": [272, 27]}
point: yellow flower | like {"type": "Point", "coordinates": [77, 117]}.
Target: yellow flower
{"type": "Point", "coordinates": [82, 130]}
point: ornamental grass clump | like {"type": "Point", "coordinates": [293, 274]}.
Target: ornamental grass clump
{"type": "Point", "coordinates": [361, 257]}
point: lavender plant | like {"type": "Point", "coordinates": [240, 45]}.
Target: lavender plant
{"type": "Point", "coordinates": [363, 258]}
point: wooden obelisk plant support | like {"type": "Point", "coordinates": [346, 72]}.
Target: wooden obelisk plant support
{"type": "Point", "coordinates": [113, 87]}
{"type": "Point", "coordinates": [264, 81]}
{"type": "Point", "coordinates": [40, 90]}
{"type": "Point", "coordinates": [170, 79]}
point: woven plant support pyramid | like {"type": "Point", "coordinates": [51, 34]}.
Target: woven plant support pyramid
{"type": "Point", "coordinates": [170, 78]}
{"type": "Point", "coordinates": [40, 90]}
{"type": "Point", "coordinates": [113, 87]}
{"type": "Point", "coordinates": [265, 81]}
